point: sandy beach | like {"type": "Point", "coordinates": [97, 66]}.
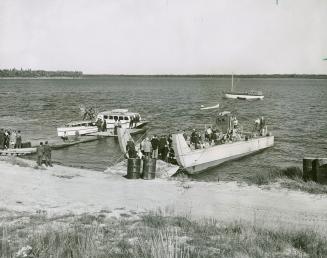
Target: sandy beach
{"type": "Point", "coordinates": [62, 190]}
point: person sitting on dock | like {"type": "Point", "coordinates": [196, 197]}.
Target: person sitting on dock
{"type": "Point", "coordinates": [65, 137]}
{"type": "Point", "coordinates": [40, 154]}
{"type": "Point", "coordinates": [47, 154]}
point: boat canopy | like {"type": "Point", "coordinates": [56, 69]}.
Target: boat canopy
{"type": "Point", "coordinates": [119, 114]}
{"type": "Point", "coordinates": [80, 123]}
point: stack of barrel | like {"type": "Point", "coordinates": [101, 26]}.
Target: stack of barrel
{"type": "Point", "coordinates": [147, 165]}
{"type": "Point", "coordinates": [315, 169]}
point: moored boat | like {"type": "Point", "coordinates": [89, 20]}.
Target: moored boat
{"type": "Point", "coordinates": [196, 160]}
{"type": "Point", "coordinates": [246, 95]}
{"type": "Point", "coordinates": [114, 118]}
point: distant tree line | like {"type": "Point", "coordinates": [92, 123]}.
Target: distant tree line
{"type": "Point", "coordinates": [38, 73]}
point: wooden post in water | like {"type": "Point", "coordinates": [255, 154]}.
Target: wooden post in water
{"type": "Point", "coordinates": [308, 173]}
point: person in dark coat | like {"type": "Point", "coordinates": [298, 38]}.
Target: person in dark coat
{"type": "Point", "coordinates": [47, 154]}
{"type": "Point", "coordinates": [39, 154]}
{"type": "Point", "coordinates": [2, 139]}
{"type": "Point", "coordinates": [155, 145]}
{"type": "Point", "coordinates": [104, 126]}
{"type": "Point", "coordinates": [163, 147]}
{"type": "Point", "coordinates": [98, 123]}
{"type": "Point", "coordinates": [130, 148]}
{"type": "Point", "coordinates": [18, 140]}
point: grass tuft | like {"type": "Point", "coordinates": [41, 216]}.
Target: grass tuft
{"type": "Point", "coordinates": [156, 235]}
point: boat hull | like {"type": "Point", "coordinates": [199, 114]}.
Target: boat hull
{"type": "Point", "coordinates": [17, 152]}
{"type": "Point", "coordinates": [243, 96]}
{"type": "Point", "coordinates": [195, 161]}
{"type": "Point", "coordinates": [78, 130]}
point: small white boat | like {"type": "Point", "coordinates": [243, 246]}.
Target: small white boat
{"type": "Point", "coordinates": [196, 160]}
{"type": "Point", "coordinates": [114, 118]}
{"type": "Point", "coordinates": [248, 95]}
{"type": "Point", "coordinates": [77, 128]}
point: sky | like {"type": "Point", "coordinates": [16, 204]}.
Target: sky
{"type": "Point", "coordinates": [165, 36]}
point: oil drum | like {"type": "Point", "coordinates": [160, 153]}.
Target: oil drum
{"type": "Point", "coordinates": [149, 168]}
{"type": "Point", "coordinates": [133, 168]}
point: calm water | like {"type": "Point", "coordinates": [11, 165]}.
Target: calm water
{"type": "Point", "coordinates": [295, 110]}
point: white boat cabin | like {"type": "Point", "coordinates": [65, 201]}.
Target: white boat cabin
{"type": "Point", "coordinates": [120, 117]}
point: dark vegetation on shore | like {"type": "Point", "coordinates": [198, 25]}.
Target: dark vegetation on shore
{"type": "Point", "coordinates": [28, 73]}
{"type": "Point", "coordinates": [290, 178]}
{"type": "Point", "coordinates": [149, 235]}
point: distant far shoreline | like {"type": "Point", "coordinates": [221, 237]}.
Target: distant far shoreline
{"type": "Point", "coordinates": [250, 76]}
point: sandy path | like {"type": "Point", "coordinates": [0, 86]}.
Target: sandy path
{"type": "Point", "coordinates": [62, 189]}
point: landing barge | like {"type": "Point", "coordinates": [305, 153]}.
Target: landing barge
{"type": "Point", "coordinates": [236, 145]}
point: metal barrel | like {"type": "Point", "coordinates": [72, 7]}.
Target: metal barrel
{"type": "Point", "coordinates": [321, 166]}
{"type": "Point", "coordinates": [308, 171]}
{"type": "Point", "coordinates": [149, 168]}
{"type": "Point", "coordinates": [133, 168]}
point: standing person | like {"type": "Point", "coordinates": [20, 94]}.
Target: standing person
{"type": "Point", "coordinates": [40, 154]}
{"type": "Point", "coordinates": [104, 126]}
{"type": "Point", "coordinates": [155, 145]}
{"type": "Point", "coordinates": [13, 139]}
{"type": "Point", "coordinates": [18, 140]}
{"type": "Point", "coordinates": [130, 148]}
{"type": "Point", "coordinates": [147, 147]}
{"type": "Point", "coordinates": [2, 139]}
{"type": "Point", "coordinates": [163, 147]}
{"type": "Point", "coordinates": [142, 146]}
{"type": "Point", "coordinates": [47, 154]}
{"type": "Point", "coordinates": [115, 126]}
{"type": "Point", "coordinates": [7, 139]}
{"type": "Point", "coordinates": [98, 124]}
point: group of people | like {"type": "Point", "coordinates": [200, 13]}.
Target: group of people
{"type": "Point", "coordinates": [10, 139]}
{"type": "Point", "coordinates": [43, 152]}
{"type": "Point", "coordinates": [156, 148]}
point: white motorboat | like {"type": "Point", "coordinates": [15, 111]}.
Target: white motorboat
{"type": "Point", "coordinates": [114, 118]}
{"type": "Point", "coordinates": [77, 128]}
{"type": "Point", "coordinates": [247, 95]}
{"type": "Point", "coordinates": [197, 160]}
{"type": "Point", "coordinates": [122, 118]}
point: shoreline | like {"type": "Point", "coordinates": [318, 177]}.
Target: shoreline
{"type": "Point", "coordinates": [61, 190]}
